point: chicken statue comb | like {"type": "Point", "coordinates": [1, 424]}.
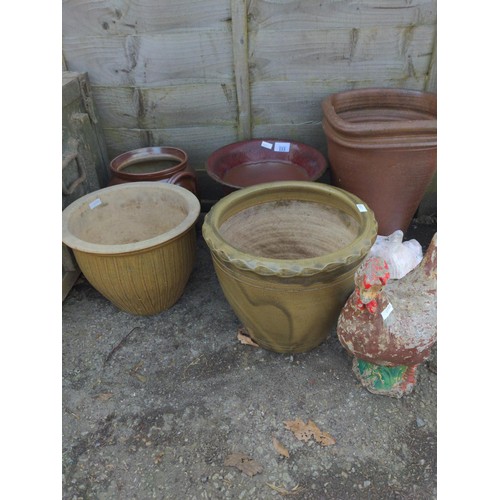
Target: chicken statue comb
{"type": "Point", "coordinates": [369, 279]}
{"type": "Point", "coordinates": [373, 271]}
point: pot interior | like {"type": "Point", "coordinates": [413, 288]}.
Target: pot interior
{"type": "Point", "coordinates": [246, 163]}
{"type": "Point", "coordinates": [372, 106]}
{"type": "Point", "coordinates": [147, 166]}
{"type": "Point", "coordinates": [257, 172]}
{"type": "Point", "coordinates": [381, 114]}
{"type": "Point", "coordinates": [128, 216]}
{"type": "Point", "coordinates": [290, 229]}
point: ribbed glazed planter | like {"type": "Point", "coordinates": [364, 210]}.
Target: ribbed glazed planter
{"type": "Point", "coordinates": [382, 147]}
{"type": "Point", "coordinates": [158, 163]}
{"type": "Point", "coordinates": [135, 243]}
{"type": "Point", "coordinates": [285, 254]}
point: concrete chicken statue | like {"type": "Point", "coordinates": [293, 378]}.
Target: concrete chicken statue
{"type": "Point", "coordinates": [390, 326]}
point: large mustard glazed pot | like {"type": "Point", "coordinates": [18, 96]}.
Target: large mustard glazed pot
{"type": "Point", "coordinates": [285, 254]}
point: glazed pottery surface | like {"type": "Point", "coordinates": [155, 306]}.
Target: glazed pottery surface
{"type": "Point", "coordinates": [285, 254]}
{"type": "Point", "coordinates": [257, 161]}
{"type": "Point", "coordinates": [382, 147]}
{"type": "Point", "coordinates": [159, 163]}
{"type": "Point", "coordinates": [135, 243]}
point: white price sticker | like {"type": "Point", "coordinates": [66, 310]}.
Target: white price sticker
{"type": "Point", "coordinates": [282, 147]}
{"type": "Point", "coordinates": [361, 207]}
{"type": "Point", "coordinates": [95, 203]}
{"type": "Point", "coordinates": [266, 145]}
{"type": "Point", "coordinates": [385, 313]}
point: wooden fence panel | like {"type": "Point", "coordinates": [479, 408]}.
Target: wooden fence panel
{"type": "Point", "coordinates": [199, 74]}
{"type": "Point", "coordinates": [83, 18]}
{"type": "Point", "coordinates": [159, 107]}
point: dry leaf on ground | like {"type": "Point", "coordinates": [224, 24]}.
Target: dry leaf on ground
{"type": "Point", "coordinates": [104, 396]}
{"type": "Point", "coordinates": [280, 448]}
{"type": "Point", "coordinates": [245, 338]}
{"type": "Point", "coordinates": [135, 372]}
{"type": "Point", "coordinates": [244, 463]}
{"type": "Point", "coordinates": [139, 377]}
{"type": "Point", "coordinates": [304, 432]}
{"type": "Point", "coordinates": [284, 491]}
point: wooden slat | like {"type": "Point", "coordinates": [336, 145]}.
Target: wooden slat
{"type": "Point", "coordinates": [331, 14]}
{"type": "Point", "coordinates": [70, 88]}
{"type": "Point", "coordinates": [153, 60]}
{"type": "Point", "coordinates": [240, 62]}
{"type": "Point", "coordinates": [356, 55]}
{"type": "Point", "coordinates": [291, 102]}
{"type": "Point", "coordinates": [131, 17]}
{"type": "Point", "coordinates": [431, 83]}
{"type": "Point", "coordinates": [166, 107]}
{"type": "Point", "coordinates": [299, 102]}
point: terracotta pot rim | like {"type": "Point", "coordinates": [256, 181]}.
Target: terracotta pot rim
{"type": "Point", "coordinates": [387, 140]}
{"type": "Point", "coordinates": [79, 205]}
{"type": "Point", "coordinates": [297, 190]}
{"type": "Point", "coordinates": [397, 99]}
{"type": "Point", "coordinates": [123, 160]}
{"type": "Point", "coordinates": [321, 160]}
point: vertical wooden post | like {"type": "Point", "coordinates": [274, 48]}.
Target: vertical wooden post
{"type": "Point", "coordinates": [240, 64]}
{"type": "Point", "coordinates": [431, 80]}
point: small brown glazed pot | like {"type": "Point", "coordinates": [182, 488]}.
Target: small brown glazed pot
{"type": "Point", "coordinates": [382, 147]}
{"type": "Point", "coordinates": [159, 163]}
{"type": "Point", "coordinates": [285, 254]}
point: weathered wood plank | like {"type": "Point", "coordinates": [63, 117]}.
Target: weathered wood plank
{"type": "Point", "coordinates": [240, 62]}
{"type": "Point", "coordinates": [354, 54]}
{"type": "Point", "coordinates": [197, 142]}
{"type": "Point", "coordinates": [431, 83]}
{"type": "Point", "coordinates": [331, 14]}
{"type": "Point", "coordinates": [166, 107]}
{"type": "Point", "coordinates": [299, 102]}
{"type": "Point", "coordinates": [130, 17]}
{"type": "Point", "coordinates": [291, 102]}
{"type": "Point", "coordinates": [202, 56]}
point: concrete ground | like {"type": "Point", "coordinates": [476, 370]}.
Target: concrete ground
{"type": "Point", "coordinates": [154, 406]}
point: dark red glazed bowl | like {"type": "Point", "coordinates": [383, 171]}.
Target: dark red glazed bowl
{"type": "Point", "coordinates": [246, 163]}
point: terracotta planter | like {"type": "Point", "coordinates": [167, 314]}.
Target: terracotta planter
{"type": "Point", "coordinates": [158, 163]}
{"type": "Point", "coordinates": [247, 163]}
{"type": "Point", "coordinates": [285, 254]}
{"type": "Point", "coordinates": [135, 243]}
{"type": "Point", "coordinates": [382, 147]}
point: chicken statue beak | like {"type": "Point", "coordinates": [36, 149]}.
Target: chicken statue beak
{"type": "Point", "coordinates": [367, 298]}
{"type": "Point", "coordinates": [366, 295]}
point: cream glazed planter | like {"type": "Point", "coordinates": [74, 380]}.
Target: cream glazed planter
{"type": "Point", "coordinates": [135, 243]}
{"type": "Point", "coordinates": [285, 254]}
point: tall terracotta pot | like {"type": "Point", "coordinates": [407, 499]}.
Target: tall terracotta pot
{"type": "Point", "coordinates": [285, 254]}
{"type": "Point", "coordinates": [382, 147]}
